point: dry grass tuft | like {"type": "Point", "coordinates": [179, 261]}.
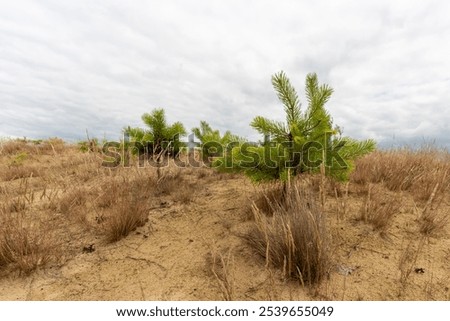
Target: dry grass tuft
{"type": "Point", "coordinates": [125, 217]}
{"type": "Point", "coordinates": [433, 223]}
{"type": "Point", "coordinates": [130, 207]}
{"type": "Point", "coordinates": [109, 194]}
{"type": "Point", "coordinates": [169, 182]}
{"type": "Point", "coordinates": [16, 200]}
{"type": "Point", "coordinates": [52, 145]}
{"type": "Point", "coordinates": [74, 198]}
{"type": "Point", "coordinates": [295, 238]}
{"type": "Point", "coordinates": [185, 194]}
{"type": "Point", "coordinates": [25, 248]}
{"type": "Point", "coordinates": [268, 196]}
{"type": "Point", "coordinates": [379, 208]}
{"type": "Point", "coordinates": [15, 205]}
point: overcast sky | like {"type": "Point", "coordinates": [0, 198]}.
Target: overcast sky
{"type": "Point", "coordinates": [68, 66]}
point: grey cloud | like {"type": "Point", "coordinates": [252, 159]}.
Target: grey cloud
{"type": "Point", "coordinates": [67, 66]}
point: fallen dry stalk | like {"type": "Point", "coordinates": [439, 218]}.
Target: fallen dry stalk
{"type": "Point", "coordinates": [222, 269]}
{"type": "Point", "coordinates": [408, 259]}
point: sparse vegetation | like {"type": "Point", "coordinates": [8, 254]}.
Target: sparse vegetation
{"type": "Point", "coordinates": [379, 208]}
{"type": "Point", "coordinates": [73, 207]}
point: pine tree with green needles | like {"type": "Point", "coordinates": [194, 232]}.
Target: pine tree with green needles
{"type": "Point", "coordinates": [306, 142]}
{"type": "Point", "coordinates": [213, 144]}
{"type": "Point", "coordinates": [158, 136]}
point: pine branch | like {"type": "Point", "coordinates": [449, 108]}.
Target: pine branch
{"type": "Point", "coordinates": [270, 127]}
{"type": "Point", "coordinates": [288, 96]}
{"type": "Point", "coordinates": [352, 148]}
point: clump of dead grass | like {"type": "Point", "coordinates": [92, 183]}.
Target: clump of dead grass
{"type": "Point", "coordinates": [25, 247]}
{"type": "Point", "coordinates": [295, 237]}
{"type": "Point", "coordinates": [267, 196]}
{"type": "Point", "coordinates": [185, 194]}
{"type": "Point", "coordinates": [432, 223]}
{"type": "Point", "coordinates": [203, 173]}
{"type": "Point", "coordinates": [128, 206]}
{"type": "Point", "coordinates": [51, 146]}
{"type": "Point", "coordinates": [126, 216]}
{"type": "Point", "coordinates": [73, 198]}
{"type": "Point", "coordinates": [169, 182]}
{"type": "Point", "coordinates": [109, 194]}
{"type": "Point", "coordinates": [379, 207]}
{"type": "Point", "coordinates": [18, 199]}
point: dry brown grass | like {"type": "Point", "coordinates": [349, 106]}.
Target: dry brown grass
{"type": "Point", "coordinates": [125, 217]}
{"type": "Point", "coordinates": [431, 220]}
{"type": "Point", "coordinates": [127, 204]}
{"type": "Point", "coordinates": [424, 173]}
{"type": "Point", "coordinates": [417, 171]}
{"type": "Point", "coordinates": [51, 146]}
{"type": "Point", "coordinates": [10, 173]}
{"type": "Point", "coordinates": [13, 146]}
{"type": "Point", "coordinates": [408, 260]}
{"type": "Point", "coordinates": [110, 192]}
{"type": "Point", "coordinates": [267, 196]}
{"type": "Point", "coordinates": [379, 207]}
{"type": "Point", "coordinates": [222, 267]}
{"type": "Point", "coordinates": [25, 247]}
{"type": "Point", "coordinates": [295, 237]}
{"type": "Point", "coordinates": [17, 200]}
{"type": "Point", "coordinates": [185, 195]}
{"type": "Point", "coordinates": [169, 182]}
{"type": "Point", "coordinates": [72, 184]}
{"type": "Point", "coordinates": [203, 172]}
{"type": "Point", "coordinates": [26, 241]}
{"type": "Point", "coordinates": [55, 145]}
{"type": "Point", "coordinates": [433, 223]}
{"type": "Point", "coordinates": [71, 199]}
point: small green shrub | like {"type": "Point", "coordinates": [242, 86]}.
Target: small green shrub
{"type": "Point", "coordinates": [306, 143]}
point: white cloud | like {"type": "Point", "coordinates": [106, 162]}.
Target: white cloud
{"type": "Point", "coordinates": [70, 65]}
